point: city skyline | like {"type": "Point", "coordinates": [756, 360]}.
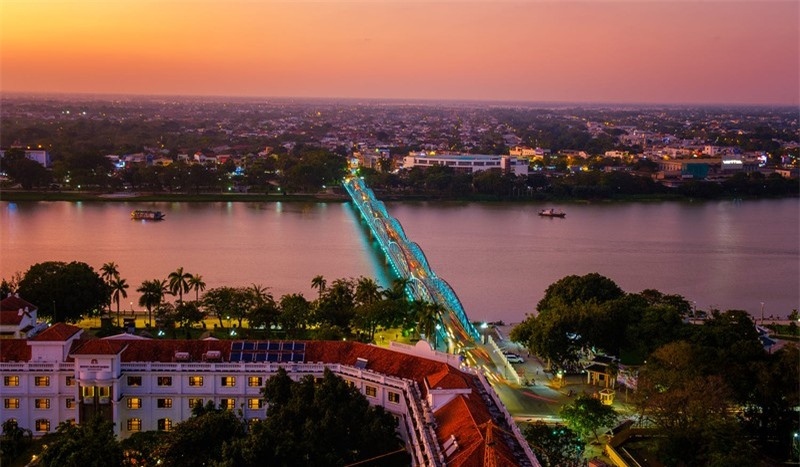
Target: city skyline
{"type": "Point", "coordinates": [605, 52]}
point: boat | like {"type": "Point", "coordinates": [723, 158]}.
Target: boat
{"type": "Point", "coordinates": [550, 212]}
{"type": "Point", "coordinates": [142, 215]}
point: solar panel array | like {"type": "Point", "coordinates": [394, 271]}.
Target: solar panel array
{"type": "Point", "coordinates": [268, 351]}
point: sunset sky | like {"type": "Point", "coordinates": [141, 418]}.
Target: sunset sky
{"type": "Point", "coordinates": [583, 51]}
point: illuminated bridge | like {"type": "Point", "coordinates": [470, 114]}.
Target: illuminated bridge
{"type": "Point", "coordinates": [409, 262]}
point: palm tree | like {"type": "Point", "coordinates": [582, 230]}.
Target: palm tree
{"type": "Point", "coordinates": [319, 282]}
{"type": "Point", "coordinates": [428, 317]}
{"type": "Point", "coordinates": [152, 294]}
{"type": "Point", "coordinates": [367, 291]}
{"type": "Point", "coordinates": [196, 283]}
{"type": "Point", "coordinates": [179, 283]}
{"type": "Point", "coordinates": [109, 271]}
{"type": "Point", "coordinates": [118, 286]}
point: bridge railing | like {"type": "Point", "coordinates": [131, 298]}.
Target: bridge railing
{"type": "Point", "coordinates": [374, 212]}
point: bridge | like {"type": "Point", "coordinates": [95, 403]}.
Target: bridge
{"type": "Point", "coordinates": [409, 262]}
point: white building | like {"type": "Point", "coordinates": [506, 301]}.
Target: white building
{"type": "Point", "coordinates": [468, 162]}
{"type": "Point", "coordinates": [17, 317]}
{"type": "Point", "coordinates": [447, 413]}
{"type": "Point", "coordinates": [38, 155]}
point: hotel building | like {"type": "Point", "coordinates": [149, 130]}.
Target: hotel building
{"type": "Point", "coordinates": [447, 413]}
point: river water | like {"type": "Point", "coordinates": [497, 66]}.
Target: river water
{"type": "Point", "coordinates": [499, 258]}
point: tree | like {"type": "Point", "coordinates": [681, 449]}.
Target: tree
{"type": "Point", "coordinates": [575, 289]}
{"type": "Point", "coordinates": [586, 415]}
{"type": "Point", "coordinates": [64, 291]}
{"type": "Point", "coordinates": [24, 171]}
{"type": "Point", "coordinates": [179, 282]}
{"type": "Point", "coordinates": [196, 282]}
{"type": "Point", "coordinates": [319, 423]}
{"type": "Point", "coordinates": [140, 448]}
{"type": "Point", "coordinates": [199, 440]}
{"type": "Point", "coordinates": [556, 445]}
{"type": "Point", "coordinates": [118, 286]}
{"type": "Point", "coordinates": [319, 283]}
{"type": "Point", "coordinates": [219, 301]}
{"type": "Point", "coordinates": [295, 314]}
{"type": "Point", "coordinates": [14, 440]}
{"type": "Point", "coordinates": [336, 306]}
{"type": "Point", "coordinates": [263, 311]}
{"type": "Point", "coordinates": [109, 271]}
{"type": "Point", "coordinates": [90, 444]}
{"type": "Point", "coordinates": [152, 295]}
{"type": "Point", "coordinates": [188, 314]}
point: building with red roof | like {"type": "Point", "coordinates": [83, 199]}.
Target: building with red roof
{"type": "Point", "coordinates": [447, 413]}
{"type": "Point", "coordinates": [17, 317]}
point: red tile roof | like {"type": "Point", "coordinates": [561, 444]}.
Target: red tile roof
{"type": "Point", "coordinates": [10, 318]}
{"type": "Point", "coordinates": [14, 303]}
{"type": "Point", "coordinates": [99, 347]}
{"type": "Point", "coordinates": [479, 438]}
{"type": "Point", "coordinates": [164, 350]}
{"type": "Point", "coordinates": [14, 350]}
{"type": "Point", "coordinates": [57, 332]}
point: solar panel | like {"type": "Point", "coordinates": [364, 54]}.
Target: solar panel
{"type": "Point", "coordinates": [262, 346]}
{"type": "Point", "coordinates": [274, 346]}
{"type": "Point", "coordinates": [261, 357]}
{"type": "Point", "coordinates": [298, 357]}
{"type": "Point", "coordinates": [272, 357]}
{"type": "Point", "coordinates": [301, 346]}
{"type": "Point", "coordinates": [237, 345]}
{"type": "Point", "coordinates": [249, 346]}
{"type": "Point", "coordinates": [236, 356]}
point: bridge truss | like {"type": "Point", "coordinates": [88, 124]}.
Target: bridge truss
{"type": "Point", "coordinates": [409, 262]}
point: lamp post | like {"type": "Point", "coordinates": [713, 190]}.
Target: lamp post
{"type": "Point", "coordinates": [484, 327]}
{"type": "Point", "coordinates": [436, 335]}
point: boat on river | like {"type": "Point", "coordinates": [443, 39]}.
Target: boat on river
{"type": "Point", "coordinates": [550, 212]}
{"type": "Point", "coordinates": [143, 215]}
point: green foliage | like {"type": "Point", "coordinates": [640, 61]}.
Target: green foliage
{"type": "Point", "coordinates": [14, 441]}
{"type": "Point", "coordinates": [573, 289]}
{"type": "Point", "coordinates": [64, 291]}
{"type": "Point", "coordinates": [585, 415]}
{"type": "Point", "coordinates": [90, 444]}
{"type": "Point", "coordinates": [324, 422]}
{"type": "Point", "coordinates": [198, 440]}
{"type": "Point", "coordinates": [555, 445]}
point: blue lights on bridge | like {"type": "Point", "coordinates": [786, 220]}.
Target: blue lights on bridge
{"type": "Point", "coordinates": [409, 262]}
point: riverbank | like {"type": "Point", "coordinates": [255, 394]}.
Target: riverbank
{"type": "Point", "coordinates": [19, 196]}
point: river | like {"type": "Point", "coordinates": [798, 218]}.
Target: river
{"type": "Point", "coordinates": [499, 258]}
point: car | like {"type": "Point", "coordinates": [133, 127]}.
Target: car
{"type": "Point", "coordinates": [513, 358]}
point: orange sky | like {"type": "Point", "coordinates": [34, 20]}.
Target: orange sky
{"type": "Point", "coordinates": [587, 51]}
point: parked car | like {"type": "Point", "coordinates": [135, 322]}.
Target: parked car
{"type": "Point", "coordinates": [514, 358]}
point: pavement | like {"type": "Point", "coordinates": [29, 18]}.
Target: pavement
{"type": "Point", "coordinates": [542, 394]}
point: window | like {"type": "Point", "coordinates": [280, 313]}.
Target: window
{"type": "Point", "coordinates": [71, 403]}
{"type": "Point", "coordinates": [164, 424]}
{"type": "Point", "coordinates": [134, 402]}
{"type": "Point", "coordinates": [195, 381]}
{"type": "Point", "coordinates": [43, 425]}
{"type": "Point", "coordinates": [254, 381]}
{"type": "Point", "coordinates": [134, 381]}
{"type": "Point", "coordinates": [10, 380]}
{"type": "Point", "coordinates": [134, 424]}
{"type": "Point", "coordinates": [164, 381]}
{"type": "Point", "coordinates": [394, 397]}
{"type": "Point", "coordinates": [42, 403]}
{"type": "Point", "coordinates": [372, 391]}
{"type": "Point", "coordinates": [70, 381]}
{"type": "Point", "coordinates": [229, 404]}
{"type": "Point", "coordinates": [42, 381]}
{"type": "Point", "coordinates": [195, 403]}
{"type": "Point", "coordinates": [87, 391]}
{"type": "Point", "coordinates": [255, 403]}
{"type": "Point", "coordinates": [104, 391]}
{"type": "Point", "coordinates": [11, 403]}
{"type": "Point", "coordinates": [164, 403]}
{"type": "Point", "coordinates": [228, 381]}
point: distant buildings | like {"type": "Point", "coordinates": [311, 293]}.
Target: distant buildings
{"type": "Point", "coordinates": [38, 155]}
{"type": "Point", "coordinates": [467, 162]}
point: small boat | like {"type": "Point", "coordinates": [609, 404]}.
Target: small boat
{"type": "Point", "coordinates": [552, 213]}
{"type": "Point", "coordinates": [142, 215]}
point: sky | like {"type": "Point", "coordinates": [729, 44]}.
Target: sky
{"type": "Point", "coordinates": [644, 51]}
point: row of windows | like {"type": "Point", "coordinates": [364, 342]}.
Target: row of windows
{"type": "Point", "coordinates": [135, 424]}
{"type": "Point", "coordinates": [372, 391]}
{"type": "Point", "coordinates": [225, 381]}
{"type": "Point", "coordinates": [12, 381]}
{"type": "Point", "coordinates": [13, 403]}
{"type": "Point", "coordinates": [42, 425]}
{"type": "Point", "coordinates": [134, 403]}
